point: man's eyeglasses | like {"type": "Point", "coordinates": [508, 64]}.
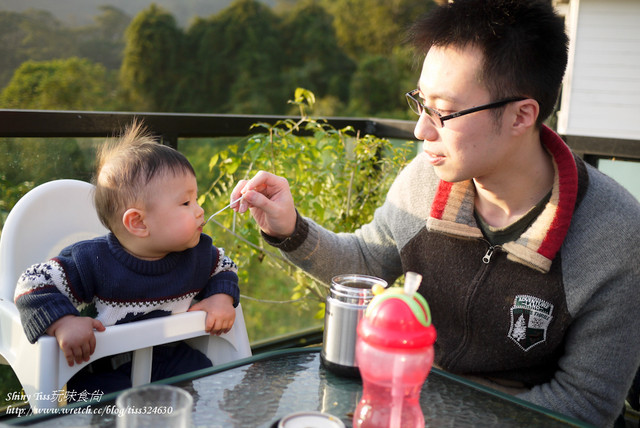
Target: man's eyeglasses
{"type": "Point", "coordinates": [418, 108]}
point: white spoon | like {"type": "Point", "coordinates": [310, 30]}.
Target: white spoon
{"type": "Point", "coordinates": [218, 212]}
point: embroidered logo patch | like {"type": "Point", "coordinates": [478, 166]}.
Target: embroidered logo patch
{"type": "Point", "coordinates": [530, 317]}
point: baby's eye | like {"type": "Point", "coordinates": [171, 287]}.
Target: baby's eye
{"type": "Point", "coordinates": [186, 204]}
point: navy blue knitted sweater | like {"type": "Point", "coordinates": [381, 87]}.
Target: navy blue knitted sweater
{"type": "Point", "coordinates": [123, 288]}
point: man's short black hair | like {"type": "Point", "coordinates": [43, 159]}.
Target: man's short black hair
{"type": "Point", "coordinates": [523, 41]}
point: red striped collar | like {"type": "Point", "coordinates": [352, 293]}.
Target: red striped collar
{"type": "Point", "coordinates": [453, 205]}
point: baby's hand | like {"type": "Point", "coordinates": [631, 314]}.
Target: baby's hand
{"type": "Point", "coordinates": [220, 313]}
{"type": "Point", "coordinates": [75, 337]}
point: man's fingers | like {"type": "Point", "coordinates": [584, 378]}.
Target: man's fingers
{"type": "Point", "coordinates": [237, 192]}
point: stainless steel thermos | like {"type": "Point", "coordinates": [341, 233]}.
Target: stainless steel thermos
{"type": "Point", "coordinates": [348, 297]}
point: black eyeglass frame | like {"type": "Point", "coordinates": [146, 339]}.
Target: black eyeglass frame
{"type": "Point", "coordinates": [413, 102]}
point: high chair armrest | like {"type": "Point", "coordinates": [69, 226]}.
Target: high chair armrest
{"type": "Point", "coordinates": [11, 332]}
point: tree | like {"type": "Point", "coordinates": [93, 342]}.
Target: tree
{"type": "Point", "coordinates": [250, 47]}
{"type": "Point", "coordinates": [205, 87]}
{"type": "Point", "coordinates": [104, 42]}
{"type": "Point", "coordinates": [63, 84]}
{"type": "Point", "coordinates": [37, 35]}
{"type": "Point", "coordinates": [312, 58]}
{"type": "Point", "coordinates": [112, 23]}
{"type": "Point", "coordinates": [378, 85]}
{"type": "Point", "coordinates": [151, 66]}
{"type": "Point", "coordinates": [32, 35]}
{"type": "Point", "coordinates": [373, 26]}
{"type": "Point", "coordinates": [10, 37]}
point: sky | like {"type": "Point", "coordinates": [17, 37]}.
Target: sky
{"type": "Point", "coordinates": [81, 12]}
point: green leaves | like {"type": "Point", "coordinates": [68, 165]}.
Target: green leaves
{"type": "Point", "coordinates": [72, 83]}
{"type": "Point", "coordinates": [302, 98]}
{"type": "Point", "coordinates": [336, 176]}
{"type": "Point", "coordinates": [151, 65]}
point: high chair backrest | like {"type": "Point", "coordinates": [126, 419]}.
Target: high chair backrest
{"type": "Point", "coordinates": [52, 216]}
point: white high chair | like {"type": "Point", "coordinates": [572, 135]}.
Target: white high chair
{"type": "Point", "coordinates": [48, 218]}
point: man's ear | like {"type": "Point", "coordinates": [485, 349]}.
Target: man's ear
{"type": "Point", "coordinates": [526, 115]}
{"type": "Point", "coordinates": [133, 221]}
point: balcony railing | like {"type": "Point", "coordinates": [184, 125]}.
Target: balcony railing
{"type": "Point", "coordinates": [169, 126]}
{"type": "Point", "coordinates": [173, 126]}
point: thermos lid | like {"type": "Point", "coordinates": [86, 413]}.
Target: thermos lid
{"type": "Point", "coordinates": [310, 419]}
{"type": "Point", "coordinates": [354, 288]}
{"type": "Point", "coordinates": [394, 319]}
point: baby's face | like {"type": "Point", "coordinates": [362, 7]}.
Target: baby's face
{"type": "Point", "coordinates": [172, 213]}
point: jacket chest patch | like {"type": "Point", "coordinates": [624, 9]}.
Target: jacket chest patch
{"type": "Point", "coordinates": [530, 318]}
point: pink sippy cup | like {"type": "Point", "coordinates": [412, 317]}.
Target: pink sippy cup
{"type": "Point", "coordinates": [394, 351]}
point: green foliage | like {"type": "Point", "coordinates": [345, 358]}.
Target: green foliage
{"type": "Point", "coordinates": [104, 42]}
{"type": "Point", "coordinates": [205, 88]}
{"type": "Point", "coordinates": [10, 194]}
{"type": "Point", "coordinates": [245, 59]}
{"type": "Point", "coordinates": [63, 84]}
{"type": "Point", "coordinates": [312, 57]}
{"type": "Point", "coordinates": [8, 385]}
{"type": "Point", "coordinates": [69, 84]}
{"type": "Point", "coordinates": [336, 176]}
{"type": "Point", "coordinates": [249, 46]}
{"type": "Point", "coordinates": [25, 164]}
{"type": "Point", "coordinates": [32, 35]}
{"type": "Point", "coordinates": [151, 64]}
{"type": "Point", "coordinates": [378, 85]}
{"type": "Point", "coordinates": [373, 27]}
{"type": "Point", "coordinates": [37, 35]}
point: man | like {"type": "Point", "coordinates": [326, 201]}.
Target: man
{"type": "Point", "coordinates": [529, 256]}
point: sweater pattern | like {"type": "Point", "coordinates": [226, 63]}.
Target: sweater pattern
{"type": "Point", "coordinates": [121, 287]}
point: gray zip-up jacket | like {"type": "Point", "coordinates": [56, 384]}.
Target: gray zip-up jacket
{"type": "Point", "coordinates": [557, 310]}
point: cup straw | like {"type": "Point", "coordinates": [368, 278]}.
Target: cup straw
{"type": "Point", "coordinates": [396, 393]}
{"type": "Point", "coordinates": [412, 283]}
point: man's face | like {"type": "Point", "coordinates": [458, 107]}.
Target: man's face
{"type": "Point", "coordinates": [470, 146]}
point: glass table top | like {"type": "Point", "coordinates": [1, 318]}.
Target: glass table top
{"type": "Point", "coordinates": [259, 391]}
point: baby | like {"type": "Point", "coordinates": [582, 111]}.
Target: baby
{"type": "Point", "coordinates": [154, 262]}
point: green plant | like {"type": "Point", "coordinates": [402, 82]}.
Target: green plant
{"type": "Point", "coordinates": [337, 176]}
{"type": "Point", "coordinates": [10, 388]}
{"type": "Point", "coordinates": [10, 194]}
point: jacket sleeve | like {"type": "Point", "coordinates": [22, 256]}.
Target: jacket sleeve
{"type": "Point", "coordinates": [373, 249]}
{"type": "Point", "coordinates": [324, 254]}
{"type": "Point", "coordinates": [40, 298]}
{"type": "Point", "coordinates": [602, 354]}
{"type": "Point", "coordinates": [601, 275]}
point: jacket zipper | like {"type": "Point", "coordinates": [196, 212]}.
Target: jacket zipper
{"type": "Point", "coordinates": [456, 354]}
{"type": "Point", "coordinates": [486, 259]}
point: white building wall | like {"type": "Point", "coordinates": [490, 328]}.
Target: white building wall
{"type": "Point", "coordinates": [601, 95]}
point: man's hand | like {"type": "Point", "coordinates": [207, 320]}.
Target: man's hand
{"type": "Point", "coordinates": [75, 337]}
{"type": "Point", "coordinates": [269, 199]}
{"type": "Point", "coordinates": [220, 313]}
